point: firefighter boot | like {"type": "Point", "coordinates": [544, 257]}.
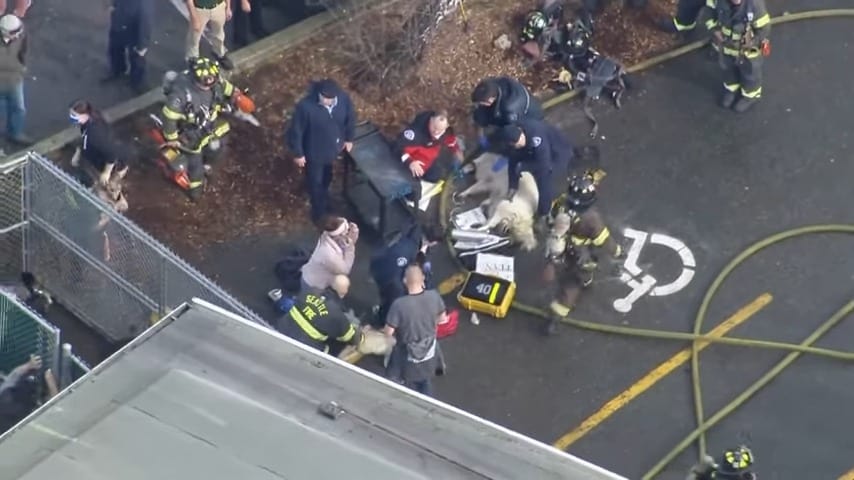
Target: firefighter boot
{"type": "Point", "coordinates": [195, 193]}
{"type": "Point", "coordinates": [744, 104]}
{"type": "Point", "coordinates": [728, 99]}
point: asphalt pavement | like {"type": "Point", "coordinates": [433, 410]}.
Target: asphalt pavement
{"type": "Point", "coordinates": [68, 56]}
{"type": "Point", "coordinates": [680, 166]}
{"type": "Point", "coordinates": [677, 166]}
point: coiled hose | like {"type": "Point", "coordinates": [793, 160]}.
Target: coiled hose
{"type": "Point", "coordinates": [696, 338]}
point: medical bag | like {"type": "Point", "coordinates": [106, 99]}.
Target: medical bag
{"type": "Point", "coordinates": [487, 294]}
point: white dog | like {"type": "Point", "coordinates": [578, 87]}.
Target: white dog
{"type": "Point", "coordinates": [489, 180]}
{"type": "Point", "coordinates": [516, 217]}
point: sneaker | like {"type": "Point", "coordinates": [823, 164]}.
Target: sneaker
{"type": "Point", "coordinates": [21, 140]}
{"type": "Point", "coordinates": [225, 62]}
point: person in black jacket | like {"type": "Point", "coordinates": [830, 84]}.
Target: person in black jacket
{"type": "Point", "coordinates": [430, 149]}
{"type": "Point", "coordinates": [130, 36]}
{"type": "Point", "coordinates": [322, 126]}
{"type": "Point", "coordinates": [248, 16]}
{"type": "Point", "coordinates": [536, 147]}
{"type": "Point", "coordinates": [97, 145]}
{"type": "Point", "coordinates": [501, 101]}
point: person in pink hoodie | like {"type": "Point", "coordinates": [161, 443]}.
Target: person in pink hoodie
{"type": "Point", "coordinates": [333, 255]}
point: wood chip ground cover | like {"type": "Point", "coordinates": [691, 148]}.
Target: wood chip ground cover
{"type": "Point", "coordinates": [256, 188]}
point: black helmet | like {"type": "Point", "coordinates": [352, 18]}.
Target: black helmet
{"type": "Point", "coordinates": [736, 461]}
{"type": "Point", "coordinates": [204, 71]}
{"type": "Point", "coordinates": [577, 40]}
{"type": "Point", "coordinates": [581, 193]}
{"type": "Point", "coordinates": [535, 23]}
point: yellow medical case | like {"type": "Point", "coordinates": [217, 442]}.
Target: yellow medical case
{"type": "Point", "coordinates": [487, 294]}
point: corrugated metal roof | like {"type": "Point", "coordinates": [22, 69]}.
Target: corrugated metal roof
{"type": "Point", "coordinates": [207, 395]}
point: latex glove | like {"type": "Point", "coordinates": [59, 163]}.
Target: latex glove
{"type": "Point", "coordinates": [75, 159]}
{"type": "Point", "coordinates": [483, 142]}
{"type": "Point", "coordinates": [511, 193]}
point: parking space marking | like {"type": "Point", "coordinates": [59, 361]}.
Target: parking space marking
{"type": "Point", "coordinates": [848, 475]}
{"type": "Point", "coordinates": [654, 376]}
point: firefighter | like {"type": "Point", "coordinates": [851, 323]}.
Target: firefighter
{"type": "Point", "coordinates": [430, 149]}
{"type": "Point", "coordinates": [740, 30]}
{"type": "Point", "coordinates": [536, 147]}
{"type": "Point", "coordinates": [685, 20]}
{"type": "Point", "coordinates": [501, 101]}
{"type": "Point", "coordinates": [192, 123]}
{"type": "Point", "coordinates": [318, 318]}
{"type": "Point", "coordinates": [734, 464]}
{"type": "Point", "coordinates": [578, 235]}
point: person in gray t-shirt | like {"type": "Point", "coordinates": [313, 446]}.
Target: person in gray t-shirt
{"type": "Point", "coordinates": [412, 320]}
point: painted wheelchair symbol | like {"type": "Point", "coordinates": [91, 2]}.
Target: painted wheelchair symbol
{"type": "Point", "coordinates": [642, 283]}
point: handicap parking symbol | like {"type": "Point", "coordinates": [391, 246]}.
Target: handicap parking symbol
{"type": "Point", "coordinates": [642, 283]}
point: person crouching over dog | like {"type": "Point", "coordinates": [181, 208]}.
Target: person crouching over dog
{"type": "Point", "coordinates": [538, 148]}
{"type": "Point", "coordinates": [430, 149]}
{"type": "Point", "coordinates": [578, 235]}
{"type": "Point", "coordinates": [97, 145]}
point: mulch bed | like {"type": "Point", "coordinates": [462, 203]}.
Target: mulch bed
{"type": "Point", "coordinates": [257, 189]}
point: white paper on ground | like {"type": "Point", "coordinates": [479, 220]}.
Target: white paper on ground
{"type": "Point", "coordinates": [500, 266]}
{"type": "Point", "coordinates": [470, 219]}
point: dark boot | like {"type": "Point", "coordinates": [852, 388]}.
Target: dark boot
{"type": "Point", "coordinates": [224, 61]}
{"type": "Point", "coordinates": [551, 325]}
{"type": "Point", "coordinates": [21, 140]}
{"type": "Point", "coordinates": [728, 99]}
{"type": "Point", "coordinates": [744, 104]}
{"type": "Point", "coordinates": [195, 194]}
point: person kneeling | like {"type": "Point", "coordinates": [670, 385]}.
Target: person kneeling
{"type": "Point", "coordinates": [430, 149]}
{"type": "Point", "coordinates": [318, 318]}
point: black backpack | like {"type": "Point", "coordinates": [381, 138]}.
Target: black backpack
{"type": "Point", "coordinates": [287, 270]}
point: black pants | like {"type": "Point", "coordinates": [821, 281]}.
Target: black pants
{"type": "Point", "coordinates": [436, 173]}
{"type": "Point", "coordinates": [196, 164]}
{"type": "Point", "coordinates": [742, 74]}
{"type": "Point", "coordinates": [687, 12]}
{"type": "Point", "coordinates": [120, 49]}
{"type": "Point", "coordinates": [246, 22]}
{"type": "Point", "coordinates": [389, 292]}
{"type": "Point", "coordinates": [318, 178]}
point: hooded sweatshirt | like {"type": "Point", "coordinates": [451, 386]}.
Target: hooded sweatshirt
{"type": "Point", "coordinates": [333, 255]}
{"type": "Point", "coordinates": [318, 133]}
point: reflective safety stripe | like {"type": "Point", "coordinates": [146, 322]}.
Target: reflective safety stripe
{"type": "Point", "coordinates": [306, 326]}
{"type": "Point", "coordinates": [197, 184]}
{"type": "Point", "coordinates": [347, 336]}
{"type": "Point", "coordinates": [754, 94]}
{"type": "Point", "coordinates": [227, 88]}
{"type": "Point", "coordinates": [559, 308]}
{"type": "Point", "coordinates": [681, 28]}
{"type": "Point", "coordinates": [172, 114]}
{"type": "Point", "coordinates": [170, 135]}
{"type": "Point", "coordinates": [222, 129]}
{"type": "Point", "coordinates": [732, 87]}
{"type": "Point", "coordinates": [750, 53]}
{"type": "Point", "coordinates": [711, 23]}
{"type": "Point", "coordinates": [711, 3]}
{"type": "Point", "coordinates": [603, 237]}
{"type": "Point", "coordinates": [762, 21]}
{"type": "Point", "coordinates": [579, 241]}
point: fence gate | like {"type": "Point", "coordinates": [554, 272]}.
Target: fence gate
{"type": "Point", "coordinates": [97, 263]}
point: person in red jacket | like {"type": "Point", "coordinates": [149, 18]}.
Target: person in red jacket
{"type": "Point", "coordinates": [430, 148]}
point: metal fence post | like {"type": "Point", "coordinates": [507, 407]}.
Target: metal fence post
{"type": "Point", "coordinates": [26, 178]}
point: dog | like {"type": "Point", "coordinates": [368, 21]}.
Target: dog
{"type": "Point", "coordinates": [490, 173]}
{"type": "Point", "coordinates": [516, 217]}
{"type": "Point", "coordinates": [112, 195]}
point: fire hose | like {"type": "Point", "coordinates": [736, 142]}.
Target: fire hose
{"type": "Point", "coordinates": [696, 337]}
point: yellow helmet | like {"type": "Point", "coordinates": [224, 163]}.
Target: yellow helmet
{"type": "Point", "coordinates": [204, 71]}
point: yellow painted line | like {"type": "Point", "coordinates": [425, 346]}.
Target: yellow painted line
{"type": "Point", "coordinates": [658, 373]}
{"type": "Point", "coordinates": [848, 476]}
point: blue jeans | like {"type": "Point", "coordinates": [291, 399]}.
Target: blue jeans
{"type": "Point", "coordinates": [424, 387]}
{"type": "Point", "coordinates": [13, 97]}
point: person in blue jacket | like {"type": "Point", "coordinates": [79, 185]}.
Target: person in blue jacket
{"type": "Point", "coordinates": [389, 263]}
{"type": "Point", "coordinates": [130, 36]}
{"type": "Point", "coordinates": [536, 147]}
{"type": "Point", "coordinates": [322, 127]}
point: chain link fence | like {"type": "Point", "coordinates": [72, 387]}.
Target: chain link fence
{"type": "Point", "coordinates": [23, 333]}
{"type": "Point", "coordinates": [11, 219]}
{"type": "Point", "coordinates": [97, 263]}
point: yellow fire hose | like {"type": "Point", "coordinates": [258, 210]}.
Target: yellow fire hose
{"type": "Point", "coordinates": [697, 338]}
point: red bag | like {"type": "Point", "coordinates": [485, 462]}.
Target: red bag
{"type": "Point", "coordinates": [449, 327]}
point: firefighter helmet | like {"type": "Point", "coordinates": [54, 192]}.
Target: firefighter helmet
{"type": "Point", "coordinates": [736, 460]}
{"type": "Point", "coordinates": [581, 192]}
{"type": "Point", "coordinates": [204, 71]}
{"type": "Point", "coordinates": [535, 23]}
{"type": "Point", "coordinates": [11, 27]}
